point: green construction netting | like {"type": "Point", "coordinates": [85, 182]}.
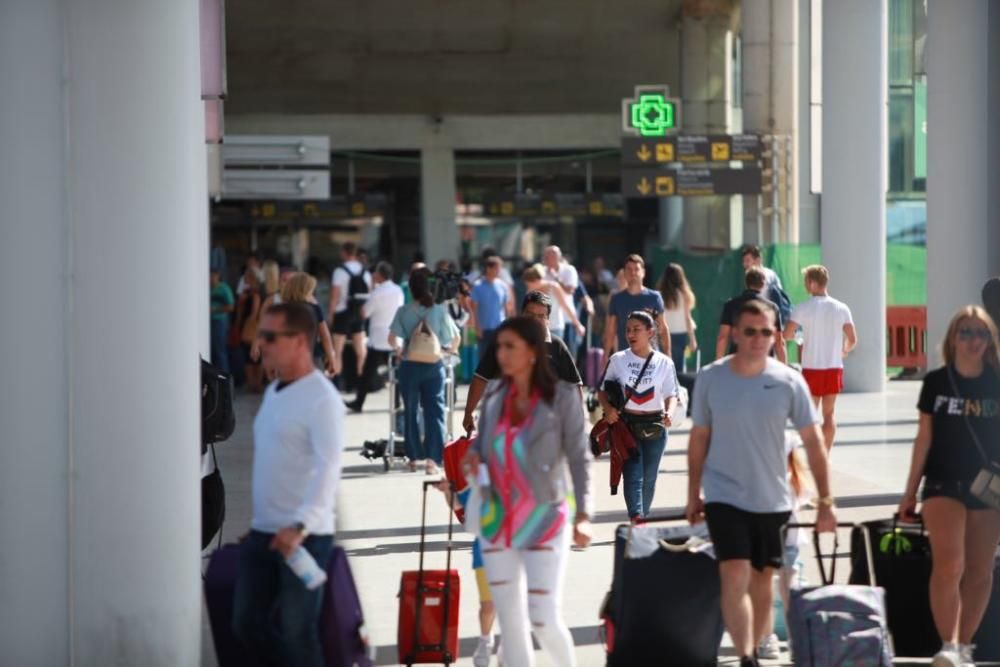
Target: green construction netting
{"type": "Point", "coordinates": [716, 278]}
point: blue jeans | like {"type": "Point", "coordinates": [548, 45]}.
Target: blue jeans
{"type": "Point", "coordinates": [220, 355]}
{"type": "Point", "coordinates": [422, 385]}
{"type": "Point", "coordinates": [678, 341]}
{"type": "Point", "coordinates": [639, 476]}
{"type": "Point", "coordinates": [572, 339]}
{"type": "Point", "coordinates": [273, 612]}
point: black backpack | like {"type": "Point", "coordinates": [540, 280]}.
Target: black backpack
{"type": "Point", "coordinates": [218, 417]}
{"type": "Point", "coordinates": [357, 291]}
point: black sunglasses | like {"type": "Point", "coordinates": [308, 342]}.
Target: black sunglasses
{"type": "Point", "coordinates": [968, 333]}
{"type": "Point", "coordinates": [750, 332]}
{"type": "Point", "coordinates": [269, 336]}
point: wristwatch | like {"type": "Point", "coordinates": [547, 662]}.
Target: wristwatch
{"type": "Point", "coordinates": [300, 528]}
{"type": "Point", "coordinates": [825, 501]}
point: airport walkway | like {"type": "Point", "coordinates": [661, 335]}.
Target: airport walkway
{"type": "Point", "coordinates": [379, 513]}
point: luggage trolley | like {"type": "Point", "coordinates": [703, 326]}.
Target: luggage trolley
{"type": "Point", "coordinates": [394, 438]}
{"type": "Point", "coordinates": [450, 362]}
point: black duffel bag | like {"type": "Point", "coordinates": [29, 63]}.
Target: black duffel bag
{"type": "Point", "coordinates": [218, 415]}
{"type": "Point", "coordinates": [902, 556]}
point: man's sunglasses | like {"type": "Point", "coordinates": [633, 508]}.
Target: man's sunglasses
{"type": "Point", "coordinates": [751, 332]}
{"type": "Point", "coordinates": [269, 336]}
{"type": "Point", "coordinates": [968, 333]}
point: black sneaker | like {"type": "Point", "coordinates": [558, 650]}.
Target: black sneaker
{"type": "Point", "coordinates": [353, 406]}
{"type": "Point", "coordinates": [749, 661]}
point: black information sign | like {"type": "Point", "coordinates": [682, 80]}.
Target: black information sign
{"type": "Point", "coordinates": [653, 182]}
{"type": "Point", "coordinates": [541, 205]}
{"type": "Point", "coordinates": [690, 148]}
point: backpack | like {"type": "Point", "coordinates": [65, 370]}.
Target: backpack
{"type": "Point", "coordinates": [357, 291]}
{"type": "Point", "coordinates": [778, 297]}
{"type": "Point", "coordinates": [218, 417]}
{"type": "Point", "coordinates": [423, 345]}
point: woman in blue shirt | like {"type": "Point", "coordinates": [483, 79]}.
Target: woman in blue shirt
{"type": "Point", "coordinates": [427, 331]}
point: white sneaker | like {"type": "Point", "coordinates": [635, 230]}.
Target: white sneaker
{"type": "Point", "coordinates": [965, 652]}
{"type": "Point", "coordinates": [947, 657]}
{"type": "Point", "coordinates": [484, 651]}
{"type": "Point", "coordinates": [769, 648]}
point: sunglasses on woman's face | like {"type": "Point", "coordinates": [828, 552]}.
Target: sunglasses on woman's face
{"type": "Point", "coordinates": [969, 333]}
{"type": "Point", "coordinates": [751, 332]}
{"type": "Point", "coordinates": [269, 336]}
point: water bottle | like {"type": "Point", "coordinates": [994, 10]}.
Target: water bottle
{"type": "Point", "coordinates": [305, 567]}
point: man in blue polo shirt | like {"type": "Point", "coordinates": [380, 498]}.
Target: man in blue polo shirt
{"type": "Point", "coordinates": [490, 301]}
{"type": "Point", "coordinates": [634, 297]}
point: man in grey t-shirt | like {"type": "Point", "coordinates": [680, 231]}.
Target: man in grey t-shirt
{"type": "Point", "coordinates": [737, 454]}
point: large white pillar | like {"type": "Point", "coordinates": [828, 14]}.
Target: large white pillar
{"type": "Point", "coordinates": [707, 95]}
{"type": "Point", "coordinates": [959, 123]}
{"type": "Point", "coordinates": [771, 98]}
{"type": "Point", "coordinates": [104, 218]}
{"type": "Point", "coordinates": [439, 236]}
{"type": "Point", "coordinates": [854, 175]}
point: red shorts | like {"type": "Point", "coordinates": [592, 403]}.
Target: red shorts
{"type": "Point", "coordinates": [824, 381]}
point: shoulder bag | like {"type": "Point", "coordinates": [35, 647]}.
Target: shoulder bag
{"type": "Point", "coordinates": [986, 485]}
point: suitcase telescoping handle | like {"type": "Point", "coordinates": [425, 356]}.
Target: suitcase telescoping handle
{"type": "Point", "coordinates": [668, 516]}
{"type": "Point", "coordinates": [828, 581]}
{"type": "Point", "coordinates": [446, 593]}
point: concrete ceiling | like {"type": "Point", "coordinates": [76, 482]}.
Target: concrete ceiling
{"type": "Point", "coordinates": [446, 56]}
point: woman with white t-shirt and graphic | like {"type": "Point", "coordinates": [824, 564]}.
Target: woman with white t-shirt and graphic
{"type": "Point", "coordinates": [640, 386]}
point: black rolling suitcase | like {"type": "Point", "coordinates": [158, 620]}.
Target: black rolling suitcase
{"type": "Point", "coordinates": [987, 639]}
{"type": "Point", "coordinates": [901, 554]}
{"type": "Point", "coordinates": [664, 599]}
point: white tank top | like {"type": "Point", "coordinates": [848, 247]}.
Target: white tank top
{"type": "Point", "coordinates": [676, 319]}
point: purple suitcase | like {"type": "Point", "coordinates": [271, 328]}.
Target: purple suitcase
{"type": "Point", "coordinates": [595, 367]}
{"type": "Point", "coordinates": [341, 628]}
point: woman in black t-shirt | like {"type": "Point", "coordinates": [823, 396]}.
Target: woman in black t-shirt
{"type": "Point", "coordinates": [957, 400]}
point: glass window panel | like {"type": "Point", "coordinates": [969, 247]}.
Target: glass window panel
{"type": "Point", "coordinates": [900, 141]}
{"type": "Point", "coordinates": [901, 42]}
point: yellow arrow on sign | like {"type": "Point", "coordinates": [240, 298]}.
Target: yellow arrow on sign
{"type": "Point", "coordinates": [644, 186]}
{"type": "Point", "coordinates": [644, 153]}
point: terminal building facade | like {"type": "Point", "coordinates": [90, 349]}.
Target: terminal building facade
{"type": "Point", "coordinates": [451, 126]}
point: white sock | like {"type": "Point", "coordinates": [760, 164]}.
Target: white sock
{"type": "Point", "coordinates": [949, 646]}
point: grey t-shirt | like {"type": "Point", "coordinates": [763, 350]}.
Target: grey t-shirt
{"type": "Point", "coordinates": [747, 464]}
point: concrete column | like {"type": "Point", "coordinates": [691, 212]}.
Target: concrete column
{"type": "Point", "coordinates": [706, 89]}
{"type": "Point", "coordinates": [102, 248]}
{"type": "Point", "coordinates": [960, 139]}
{"type": "Point", "coordinates": [854, 175]}
{"type": "Point", "coordinates": [771, 94]}
{"type": "Point", "coordinates": [439, 236]}
{"type": "Point", "coordinates": [808, 202]}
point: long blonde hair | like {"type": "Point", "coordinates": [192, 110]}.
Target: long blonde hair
{"type": "Point", "coordinates": [972, 312]}
{"type": "Point", "coordinates": [271, 277]}
{"type": "Point", "coordinates": [298, 289]}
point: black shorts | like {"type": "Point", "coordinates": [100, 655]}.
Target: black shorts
{"type": "Point", "coordinates": [741, 535]}
{"type": "Point", "coordinates": [347, 324]}
{"type": "Point", "coordinates": [952, 488]}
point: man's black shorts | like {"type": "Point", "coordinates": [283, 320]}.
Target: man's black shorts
{"type": "Point", "coordinates": [741, 535]}
{"type": "Point", "coordinates": [346, 323]}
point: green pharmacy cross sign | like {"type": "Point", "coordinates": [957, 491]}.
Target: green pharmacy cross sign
{"type": "Point", "coordinates": [651, 112]}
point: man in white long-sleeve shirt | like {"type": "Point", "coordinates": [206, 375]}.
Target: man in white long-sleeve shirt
{"type": "Point", "coordinates": [298, 446]}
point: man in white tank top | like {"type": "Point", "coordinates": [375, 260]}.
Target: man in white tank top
{"type": "Point", "coordinates": [829, 336]}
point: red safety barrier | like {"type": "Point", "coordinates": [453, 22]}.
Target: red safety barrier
{"type": "Point", "coordinates": [906, 328]}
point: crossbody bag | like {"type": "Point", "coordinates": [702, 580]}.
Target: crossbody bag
{"type": "Point", "coordinates": [986, 485]}
{"type": "Point", "coordinates": [643, 428]}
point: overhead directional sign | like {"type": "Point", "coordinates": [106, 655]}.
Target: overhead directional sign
{"type": "Point", "coordinates": [651, 112]}
{"type": "Point", "coordinates": [653, 182]}
{"type": "Point", "coordinates": [694, 148]}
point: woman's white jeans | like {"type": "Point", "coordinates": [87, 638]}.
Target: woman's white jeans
{"type": "Point", "coordinates": [527, 590]}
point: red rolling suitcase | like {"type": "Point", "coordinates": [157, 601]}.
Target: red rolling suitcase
{"type": "Point", "coordinates": [428, 607]}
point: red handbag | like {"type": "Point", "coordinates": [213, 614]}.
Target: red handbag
{"type": "Point", "coordinates": [454, 452]}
